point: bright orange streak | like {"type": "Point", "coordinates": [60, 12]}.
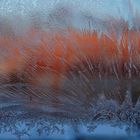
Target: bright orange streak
{"type": "Point", "coordinates": [52, 54]}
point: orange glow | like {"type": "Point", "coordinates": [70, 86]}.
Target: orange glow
{"type": "Point", "coordinates": [43, 53]}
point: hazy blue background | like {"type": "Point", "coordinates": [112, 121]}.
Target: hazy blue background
{"type": "Point", "coordinates": [78, 11]}
{"type": "Point", "coordinates": [74, 12]}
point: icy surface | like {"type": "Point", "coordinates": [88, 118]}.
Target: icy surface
{"type": "Point", "coordinates": [83, 105]}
